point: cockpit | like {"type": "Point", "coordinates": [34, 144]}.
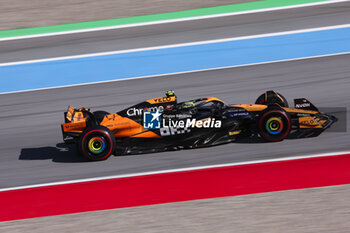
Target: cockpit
{"type": "Point", "coordinates": [202, 108]}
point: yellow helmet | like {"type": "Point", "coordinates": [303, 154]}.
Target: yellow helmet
{"type": "Point", "coordinates": [170, 93]}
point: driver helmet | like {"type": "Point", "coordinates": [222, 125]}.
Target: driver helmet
{"type": "Point", "coordinates": [170, 93]}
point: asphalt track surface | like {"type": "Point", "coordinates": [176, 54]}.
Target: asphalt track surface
{"type": "Point", "coordinates": [31, 145]}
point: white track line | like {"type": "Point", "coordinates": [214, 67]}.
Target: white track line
{"type": "Point", "coordinates": [176, 45]}
{"type": "Point", "coordinates": [177, 170]}
{"type": "Point", "coordinates": [172, 20]}
{"type": "Point", "coordinates": [175, 73]}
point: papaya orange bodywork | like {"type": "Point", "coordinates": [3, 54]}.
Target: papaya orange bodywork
{"type": "Point", "coordinates": [125, 127]}
{"type": "Point", "coordinates": [251, 107]}
{"type": "Point", "coordinates": [161, 100]}
{"type": "Point", "coordinates": [74, 127]}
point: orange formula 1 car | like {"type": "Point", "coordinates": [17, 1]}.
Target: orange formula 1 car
{"type": "Point", "coordinates": [162, 124]}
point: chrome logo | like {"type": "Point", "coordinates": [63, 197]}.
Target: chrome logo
{"type": "Point", "coordinates": [96, 145]}
{"type": "Point", "coordinates": [274, 125]}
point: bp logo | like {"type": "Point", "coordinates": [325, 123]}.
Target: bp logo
{"type": "Point", "coordinates": [151, 120]}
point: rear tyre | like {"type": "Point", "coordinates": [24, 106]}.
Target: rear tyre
{"type": "Point", "coordinates": [97, 143]}
{"type": "Point", "coordinates": [274, 124]}
{"type": "Point", "coordinates": [272, 97]}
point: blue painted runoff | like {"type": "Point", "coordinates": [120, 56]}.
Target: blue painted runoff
{"type": "Point", "coordinates": [172, 60]}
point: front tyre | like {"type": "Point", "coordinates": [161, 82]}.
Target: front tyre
{"type": "Point", "coordinates": [97, 143]}
{"type": "Point", "coordinates": [274, 124]}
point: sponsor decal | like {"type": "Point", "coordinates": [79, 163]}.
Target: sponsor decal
{"type": "Point", "coordinates": [241, 114]}
{"type": "Point", "coordinates": [309, 122]}
{"type": "Point", "coordinates": [139, 111]}
{"type": "Point", "coordinates": [151, 120]}
{"type": "Point", "coordinates": [303, 114]}
{"type": "Point", "coordinates": [237, 113]}
{"type": "Point", "coordinates": [303, 105]}
{"type": "Point", "coordinates": [231, 133]}
{"type": "Point", "coordinates": [162, 100]}
{"type": "Point", "coordinates": [73, 126]}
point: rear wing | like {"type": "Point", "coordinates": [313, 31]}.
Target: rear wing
{"type": "Point", "coordinates": [303, 103]}
{"type": "Point", "coordinates": [75, 123]}
{"type": "Point", "coordinates": [74, 115]}
{"type": "Point", "coordinates": [69, 114]}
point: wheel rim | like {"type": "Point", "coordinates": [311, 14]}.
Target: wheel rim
{"type": "Point", "coordinates": [274, 125]}
{"type": "Point", "coordinates": [96, 145]}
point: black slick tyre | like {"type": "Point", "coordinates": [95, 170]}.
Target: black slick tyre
{"type": "Point", "coordinates": [274, 124]}
{"type": "Point", "coordinates": [96, 143]}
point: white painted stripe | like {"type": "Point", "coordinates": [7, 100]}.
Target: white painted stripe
{"type": "Point", "coordinates": [178, 170]}
{"type": "Point", "coordinates": [177, 45]}
{"type": "Point", "coordinates": [172, 20]}
{"type": "Point", "coordinates": [176, 73]}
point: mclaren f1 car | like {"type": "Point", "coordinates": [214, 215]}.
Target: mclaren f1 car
{"type": "Point", "coordinates": [162, 124]}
